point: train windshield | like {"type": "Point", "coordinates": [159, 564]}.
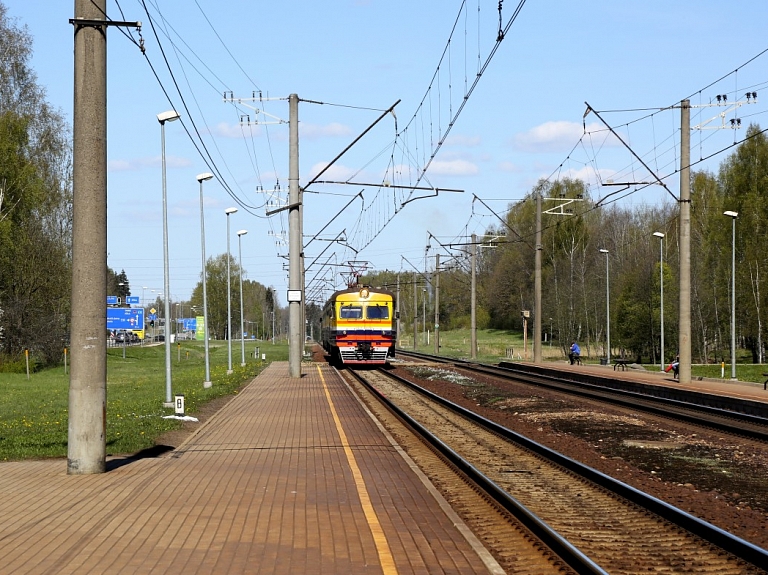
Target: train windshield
{"type": "Point", "coordinates": [377, 312]}
{"type": "Point", "coordinates": [351, 312]}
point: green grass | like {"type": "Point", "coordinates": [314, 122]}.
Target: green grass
{"type": "Point", "coordinates": [492, 345]}
{"type": "Point", "coordinates": [33, 412]}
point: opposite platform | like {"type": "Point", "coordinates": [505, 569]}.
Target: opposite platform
{"type": "Point", "coordinates": [291, 476]}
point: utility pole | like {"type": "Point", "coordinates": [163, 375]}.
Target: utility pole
{"type": "Point", "coordinates": [415, 313]}
{"type": "Point", "coordinates": [437, 304]}
{"type": "Point", "coordinates": [86, 450]}
{"type": "Point", "coordinates": [684, 346]}
{"type": "Point", "coordinates": [537, 286]}
{"type": "Point", "coordinates": [295, 291]}
{"type": "Point", "coordinates": [397, 310]}
{"type": "Point", "coordinates": [86, 446]}
{"type": "Point", "coordinates": [473, 306]}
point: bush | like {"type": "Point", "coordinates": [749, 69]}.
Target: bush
{"type": "Point", "coordinates": [13, 364]}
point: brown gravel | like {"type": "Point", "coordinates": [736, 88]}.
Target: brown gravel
{"type": "Point", "coordinates": [721, 479]}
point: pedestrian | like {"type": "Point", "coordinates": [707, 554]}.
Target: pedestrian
{"type": "Point", "coordinates": [674, 367]}
{"type": "Point", "coordinates": [575, 353]}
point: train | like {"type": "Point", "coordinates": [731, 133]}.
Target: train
{"type": "Point", "coordinates": [358, 326]}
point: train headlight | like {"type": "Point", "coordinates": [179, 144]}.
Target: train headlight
{"type": "Point", "coordinates": [364, 293]}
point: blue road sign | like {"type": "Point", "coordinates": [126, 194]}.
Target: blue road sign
{"type": "Point", "coordinates": [132, 299]}
{"type": "Point", "coordinates": [125, 318]}
{"type": "Point", "coordinates": [112, 300]}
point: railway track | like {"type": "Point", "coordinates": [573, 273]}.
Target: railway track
{"type": "Point", "coordinates": [737, 417]}
{"type": "Point", "coordinates": [593, 523]}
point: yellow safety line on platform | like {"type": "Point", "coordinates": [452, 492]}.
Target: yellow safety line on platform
{"type": "Point", "coordinates": [382, 547]}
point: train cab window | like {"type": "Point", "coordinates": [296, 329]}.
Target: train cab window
{"type": "Point", "coordinates": [377, 312]}
{"type": "Point", "coordinates": [351, 312]}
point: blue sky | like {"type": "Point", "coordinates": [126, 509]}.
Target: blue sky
{"type": "Point", "coordinates": [523, 120]}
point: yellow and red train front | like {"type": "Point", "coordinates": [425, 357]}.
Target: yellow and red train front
{"type": "Point", "coordinates": [363, 331]}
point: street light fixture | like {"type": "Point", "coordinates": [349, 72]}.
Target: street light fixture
{"type": "Point", "coordinates": [229, 211]}
{"type": "Point", "coordinates": [733, 216]}
{"type": "Point", "coordinates": [660, 235]}
{"type": "Point", "coordinates": [163, 117]}
{"type": "Point", "coordinates": [240, 234]}
{"type": "Point", "coordinates": [207, 382]}
{"type": "Point", "coordinates": [607, 310]}
{"type": "Point", "coordinates": [424, 313]}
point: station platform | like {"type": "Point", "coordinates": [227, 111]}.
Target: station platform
{"type": "Point", "coordinates": [734, 388]}
{"type": "Point", "coordinates": [293, 475]}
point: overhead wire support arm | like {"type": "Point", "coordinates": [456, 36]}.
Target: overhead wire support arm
{"type": "Point", "coordinates": [339, 238]}
{"type": "Point", "coordinates": [345, 150]}
{"type": "Point", "coordinates": [631, 151]}
{"type": "Point", "coordinates": [97, 23]}
{"type": "Point", "coordinates": [388, 185]}
{"type": "Point", "coordinates": [242, 101]}
{"type": "Point", "coordinates": [519, 237]}
{"type": "Point", "coordinates": [283, 208]}
{"type": "Point", "coordinates": [360, 194]}
{"type": "Point", "coordinates": [558, 209]}
{"type": "Point", "coordinates": [722, 100]}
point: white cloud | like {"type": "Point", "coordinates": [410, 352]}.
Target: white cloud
{"type": "Point", "coordinates": [119, 165]}
{"type": "Point", "coordinates": [336, 172]}
{"type": "Point", "coordinates": [235, 131]}
{"type": "Point", "coordinates": [453, 168]}
{"type": "Point", "coordinates": [557, 136]}
{"type": "Point", "coordinates": [510, 167]}
{"type": "Point", "coordinates": [149, 162]}
{"type": "Point", "coordinates": [314, 131]}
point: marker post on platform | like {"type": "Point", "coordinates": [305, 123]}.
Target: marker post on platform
{"type": "Point", "coordinates": [179, 404]}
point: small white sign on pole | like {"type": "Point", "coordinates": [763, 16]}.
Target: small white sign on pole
{"type": "Point", "coordinates": [179, 404]}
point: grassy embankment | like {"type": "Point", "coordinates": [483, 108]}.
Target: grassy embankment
{"type": "Point", "coordinates": [33, 413]}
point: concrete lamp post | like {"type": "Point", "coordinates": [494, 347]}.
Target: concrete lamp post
{"type": "Point", "coordinates": [607, 310]}
{"type": "Point", "coordinates": [661, 288]}
{"type": "Point", "coordinates": [733, 216]}
{"type": "Point", "coordinates": [229, 211]}
{"type": "Point", "coordinates": [207, 381]}
{"type": "Point", "coordinates": [169, 116]}
{"type": "Point", "coordinates": [240, 235]}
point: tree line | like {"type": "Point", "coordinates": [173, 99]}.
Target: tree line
{"type": "Point", "coordinates": [36, 226]}
{"type": "Point", "coordinates": [35, 207]}
{"type": "Point", "coordinates": [577, 276]}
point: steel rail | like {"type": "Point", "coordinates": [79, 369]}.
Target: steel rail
{"type": "Point", "coordinates": [730, 543]}
{"type": "Point", "coordinates": [570, 554]}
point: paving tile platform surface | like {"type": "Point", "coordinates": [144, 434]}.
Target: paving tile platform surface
{"type": "Point", "coordinates": [747, 390]}
{"type": "Point", "coordinates": [291, 476]}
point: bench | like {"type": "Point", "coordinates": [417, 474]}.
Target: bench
{"type": "Point", "coordinates": [622, 363]}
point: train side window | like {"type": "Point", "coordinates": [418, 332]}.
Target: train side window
{"type": "Point", "coordinates": [377, 312]}
{"type": "Point", "coordinates": [351, 312]}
